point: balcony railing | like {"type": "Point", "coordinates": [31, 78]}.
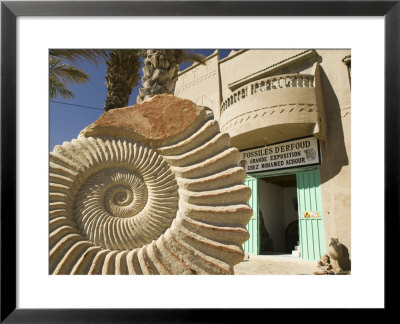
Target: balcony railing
{"type": "Point", "coordinates": [269, 84]}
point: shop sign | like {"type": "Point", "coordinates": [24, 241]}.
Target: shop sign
{"type": "Point", "coordinates": [290, 154]}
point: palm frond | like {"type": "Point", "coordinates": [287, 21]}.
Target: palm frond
{"type": "Point", "coordinates": [66, 72]}
{"type": "Point", "coordinates": [58, 88]}
{"type": "Point", "coordinates": [74, 55]}
{"type": "Point", "coordinates": [192, 57]}
{"type": "Point", "coordinates": [142, 53]}
{"type": "Point", "coordinates": [59, 74]}
{"type": "Point", "coordinates": [62, 69]}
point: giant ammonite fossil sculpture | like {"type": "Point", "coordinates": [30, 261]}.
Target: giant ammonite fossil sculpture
{"type": "Point", "coordinates": [150, 189]}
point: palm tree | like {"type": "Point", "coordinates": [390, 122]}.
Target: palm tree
{"type": "Point", "coordinates": [62, 69]}
{"type": "Point", "coordinates": [122, 76]}
{"type": "Point", "coordinates": [160, 71]}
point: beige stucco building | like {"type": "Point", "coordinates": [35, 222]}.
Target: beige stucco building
{"type": "Point", "coordinates": [288, 112]}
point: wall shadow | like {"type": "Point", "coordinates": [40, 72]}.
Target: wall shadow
{"type": "Point", "coordinates": [334, 149]}
{"type": "Point", "coordinates": [345, 262]}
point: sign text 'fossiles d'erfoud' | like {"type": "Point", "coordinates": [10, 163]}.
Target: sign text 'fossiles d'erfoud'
{"type": "Point", "coordinates": [280, 156]}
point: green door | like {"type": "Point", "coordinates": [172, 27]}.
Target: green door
{"type": "Point", "coordinates": [311, 222]}
{"type": "Point", "coordinates": [252, 246]}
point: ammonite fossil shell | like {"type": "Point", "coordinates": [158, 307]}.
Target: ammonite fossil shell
{"type": "Point", "coordinates": [149, 189]}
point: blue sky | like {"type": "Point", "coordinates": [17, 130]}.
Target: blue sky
{"type": "Point", "coordinates": [68, 117]}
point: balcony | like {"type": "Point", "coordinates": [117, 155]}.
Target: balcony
{"type": "Point", "coordinates": [273, 109]}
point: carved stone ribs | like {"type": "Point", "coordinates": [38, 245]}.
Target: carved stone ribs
{"type": "Point", "coordinates": [149, 189]}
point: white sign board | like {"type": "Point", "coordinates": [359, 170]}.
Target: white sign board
{"type": "Point", "coordinates": [290, 154]}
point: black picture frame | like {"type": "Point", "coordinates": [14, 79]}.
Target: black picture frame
{"type": "Point", "coordinates": [10, 10]}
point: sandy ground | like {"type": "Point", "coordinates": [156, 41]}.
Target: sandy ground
{"type": "Point", "coordinates": [275, 264]}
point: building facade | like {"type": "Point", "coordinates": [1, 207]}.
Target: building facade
{"type": "Point", "coordinates": [288, 112]}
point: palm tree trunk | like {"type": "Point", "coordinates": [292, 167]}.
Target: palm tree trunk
{"type": "Point", "coordinates": [160, 72]}
{"type": "Point", "coordinates": [122, 76]}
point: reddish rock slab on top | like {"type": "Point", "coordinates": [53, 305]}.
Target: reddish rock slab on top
{"type": "Point", "coordinates": [157, 118]}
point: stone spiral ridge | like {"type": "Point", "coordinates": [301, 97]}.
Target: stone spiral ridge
{"type": "Point", "coordinates": [164, 195]}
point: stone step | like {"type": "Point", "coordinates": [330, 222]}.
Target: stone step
{"type": "Point", "coordinates": [296, 253]}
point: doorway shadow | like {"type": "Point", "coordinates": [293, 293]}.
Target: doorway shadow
{"type": "Point", "coordinates": [273, 253]}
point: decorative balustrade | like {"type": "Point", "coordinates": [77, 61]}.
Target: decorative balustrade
{"type": "Point", "coordinates": [269, 84]}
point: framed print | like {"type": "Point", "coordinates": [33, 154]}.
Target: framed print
{"type": "Point", "coordinates": [367, 31]}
